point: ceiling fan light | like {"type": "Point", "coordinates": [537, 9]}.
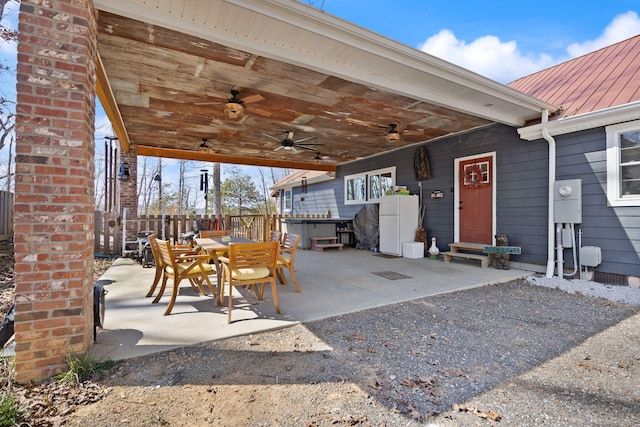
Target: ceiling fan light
{"type": "Point", "coordinates": [393, 136]}
{"type": "Point", "coordinates": [233, 110]}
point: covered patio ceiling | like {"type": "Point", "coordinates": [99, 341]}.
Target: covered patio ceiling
{"type": "Point", "coordinates": [168, 67]}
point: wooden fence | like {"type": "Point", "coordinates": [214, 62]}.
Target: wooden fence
{"type": "Point", "coordinates": [108, 228]}
{"type": "Point", "coordinates": [6, 215]}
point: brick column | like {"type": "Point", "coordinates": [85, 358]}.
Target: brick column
{"type": "Point", "coordinates": [128, 193]}
{"type": "Point", "coordinates": [54, 201]}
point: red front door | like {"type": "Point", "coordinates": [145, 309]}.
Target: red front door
{"type": "Point", "coordinates": [476, 200]}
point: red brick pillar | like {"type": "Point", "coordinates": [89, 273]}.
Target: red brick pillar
{"type": "Point", "coordinates": [54, 201]}
{"type": "Point", "coordinates": [128, 193]}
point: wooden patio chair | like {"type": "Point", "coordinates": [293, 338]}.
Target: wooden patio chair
{"type": "Point", "coordinates": [286, 259]}
{"type": "Point", "coordinates": [276, 236]}
{"type": "Point", "coordinates": [160, 266]}
{"type": "Point", "coordinates": [178, 267]}
{"type": "Point", "coordinates": [250, 264]}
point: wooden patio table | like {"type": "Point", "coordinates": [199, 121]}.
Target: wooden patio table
{"type": "Point", "coordinates": [218, 246]}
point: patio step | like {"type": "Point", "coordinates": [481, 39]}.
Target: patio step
{"type": "Point", "coordinates": [471, 251]}
{"type": "Point", "coordinates": [332, 242]}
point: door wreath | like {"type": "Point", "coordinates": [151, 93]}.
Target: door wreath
{"type": "Point", "coordinates": [472, 176]}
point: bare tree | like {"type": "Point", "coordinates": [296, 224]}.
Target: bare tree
{"type": "Point", "coordinates": [7, 106]}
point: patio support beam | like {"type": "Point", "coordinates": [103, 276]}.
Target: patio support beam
{"type": "Point", "coordinates": [201, 156]}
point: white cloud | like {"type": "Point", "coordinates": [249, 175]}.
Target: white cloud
{"type": "Point", "coordinates": [622, 27]}
{"type": "Point", "coordinates": [504, 62]}
{"type": "Point", "coordinates": [487, 55]}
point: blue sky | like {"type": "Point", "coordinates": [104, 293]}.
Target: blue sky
{"type": "Point", "coordinates": [502, 40]}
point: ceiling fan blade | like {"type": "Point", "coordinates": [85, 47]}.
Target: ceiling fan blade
{"type": "Point", "coordinates": [249, 99]}
{"type": "Point", "coordinates": [306, 148]}
{"type": "Point", "coordinates": [417, 132]}
{"type": "Point", "coordinates": [272, 137]}
{"type": "Point", "coordinates": [305, 139]}
{"type": "Point", "coordinates": [293, 150]}
{"type": "Point", "coordinates": [309, 143]}
{"type": "Point", "coordinates": [259, 111]}
{"type": "Point", "coordinates": [279, 148]}
{"type": "Point", "coordinates": [217, 94]}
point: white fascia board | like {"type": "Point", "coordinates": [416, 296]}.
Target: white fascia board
{"type": "Point", "coordinates": [317, 26]}
{"type": "Point", "coordinates": [618, 114]}
{"type": "Point", "coordinates": [313, 180]}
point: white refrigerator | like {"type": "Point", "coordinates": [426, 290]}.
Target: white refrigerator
{"type": "Point", "coordinates": [398, 222]}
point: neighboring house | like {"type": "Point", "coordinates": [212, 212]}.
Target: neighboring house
{"type": "Point", "coordinates": [595, 138]}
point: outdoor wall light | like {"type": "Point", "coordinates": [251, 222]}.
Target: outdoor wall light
{"type": "Point", "coordinates": [157, 178]}
{"type": "Point", "coordinates": [123, 171]}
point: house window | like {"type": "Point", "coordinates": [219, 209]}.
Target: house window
{"type": "Point", "coordinates": [368, 187]}
{"type": "Point", "coordinates": [623, 164]}
{"type": "Point", "coordinates": [287, 200]}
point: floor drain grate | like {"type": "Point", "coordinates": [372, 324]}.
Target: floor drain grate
{"type": "Point", "coordinates": [391, 275]}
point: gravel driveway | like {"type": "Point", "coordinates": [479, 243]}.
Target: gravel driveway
{"type": "Point", "coordinates": [512, 354]}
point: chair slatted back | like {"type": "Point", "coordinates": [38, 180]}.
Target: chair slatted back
{"type": "Point", "coordinates": [276, 236]}
{"type": "Point", "coordinates": [253, 255]}
{"type": "Point", "coordinates": [290, 243]}
{"type": "Point", "coordinates": [164, 250]}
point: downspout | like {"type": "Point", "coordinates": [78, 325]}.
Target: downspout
{"type": "Point", "coordinates": [552, 179]}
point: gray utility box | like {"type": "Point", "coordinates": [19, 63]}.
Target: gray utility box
{"type": "Point", "coordinates": [567, 195]}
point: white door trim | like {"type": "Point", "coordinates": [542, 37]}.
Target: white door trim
{"type": "Point", "coordinates": [456, 187]}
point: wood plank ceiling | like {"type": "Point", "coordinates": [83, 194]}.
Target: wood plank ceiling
{"type": "Point", "coordinates": [171, 88]}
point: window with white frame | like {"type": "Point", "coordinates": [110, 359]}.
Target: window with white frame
{"type": "Point", "coordinates": [623, 164]}
{"type": "Point", "coordinates": [287, 200]}
{"type": "Point", "coordinates": [368, 187]}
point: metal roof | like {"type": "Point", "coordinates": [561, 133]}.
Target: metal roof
{"type": "Point", "coordinates": [606, 78]}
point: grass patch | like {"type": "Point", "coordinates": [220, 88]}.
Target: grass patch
{"type": "Point", "coordinates": [10, 411]}
{"type": "Point", "coordinates": [83, 368]}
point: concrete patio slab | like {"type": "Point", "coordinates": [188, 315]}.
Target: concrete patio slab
{"type": "Point", "coordinates": [332, 282]}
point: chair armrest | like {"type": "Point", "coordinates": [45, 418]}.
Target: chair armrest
{"type": "Point", "coordinates": [223, 259]}
{"type": "Point", "coordinates": [286, 250]}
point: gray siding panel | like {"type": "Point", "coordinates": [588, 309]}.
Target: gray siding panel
{"type": "Point", "coordinates": [616, 230]}
{"type": "Point", "coordinates": [521, 188]}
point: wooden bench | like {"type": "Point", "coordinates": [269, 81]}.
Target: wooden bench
{"type": "Point", "coordinates": [470, 251]}
{"type": "Point", "coordinates": [321, 243]}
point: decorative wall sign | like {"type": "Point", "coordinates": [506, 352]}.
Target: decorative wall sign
{"type": "Point", "coordinates": [437, 194]}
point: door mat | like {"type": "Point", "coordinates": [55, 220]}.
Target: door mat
{"type": "Point", "coordinates": [386, 256]}
{"type": "Point", "coordinates": [391, 275]}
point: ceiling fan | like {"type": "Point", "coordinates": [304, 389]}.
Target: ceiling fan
{"type": "Point", "coordinates": [394, 134]}
{"type": "Point", "coordinates": [290, 145]}
{"type": "Point", "coordinates": [234, 106]}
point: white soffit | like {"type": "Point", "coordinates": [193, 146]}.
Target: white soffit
{"type": "Point", "coordinates": [295, 33]}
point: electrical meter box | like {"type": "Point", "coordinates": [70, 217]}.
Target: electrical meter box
{"type": "Point", "coordinates": [567, 197]}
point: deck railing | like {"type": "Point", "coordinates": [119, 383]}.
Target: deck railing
{"type": "Point", "coordinates": [109, 226]}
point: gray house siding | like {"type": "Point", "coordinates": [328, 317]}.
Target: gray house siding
{"type": "Point", "coordinates": [521, 186]}
{"type": "Point", "coordinates": [616, 230]}
{"type": "Point", "coordinates": [521, 192]}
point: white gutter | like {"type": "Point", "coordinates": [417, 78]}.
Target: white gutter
{"type": "Point", "coordinates": [552, 178]}
{"type": "Point", "coordinates": [617, 114]}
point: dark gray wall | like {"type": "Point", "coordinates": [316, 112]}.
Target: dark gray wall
{"type": "Point", "coordinates": [521, 188]}
{"type": "Point", "coordinates": [616, 230]}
